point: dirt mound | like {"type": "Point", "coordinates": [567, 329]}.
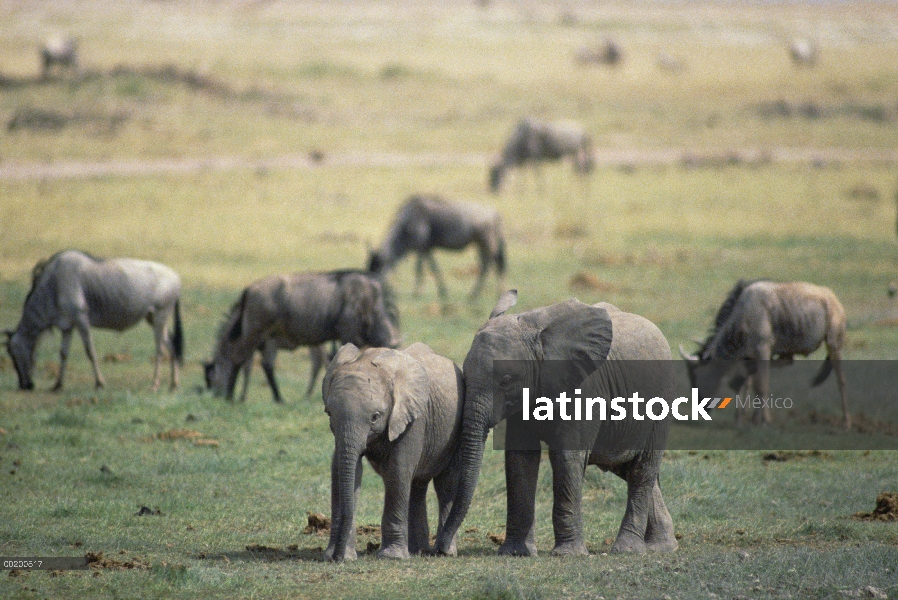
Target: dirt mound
{"type": "Point", "coordinates": [317, 523]}
{"type": "Point", "coordinates": [585, 281]}
{"type": "Point", "coordinates": [96, 560]}
{"type": "Point", "coordinates": [886, 509]}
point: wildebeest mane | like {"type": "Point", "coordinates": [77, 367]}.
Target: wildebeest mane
{"type": "Point", "coordinates": [726, 309]}
{"type": "Point", "coordinates": [41, 266]}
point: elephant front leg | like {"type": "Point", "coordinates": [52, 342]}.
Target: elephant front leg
{"type": "Point", "coordinates": [568, 467]}
{"type": "Point", "coordinates": [394, 523]}
{"type": "Point", "coordinates": [521, 474]}
{"type": "Point", "coordinates": [418, 529]}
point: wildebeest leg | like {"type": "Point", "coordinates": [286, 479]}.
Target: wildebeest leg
{"type": "Point", "coordinates": [269, 355]}
{"type": "Point", "coordinates": [836, 358]}
{"type": "Point", "coordinates": [743, 396]}
{"type": "Point", "coordinates": [158, 321]}
{"type": "Point", "coordinates": [419, 273]}
{"type": "Point", "coordinates": [318, 357]}
{"type": "Point", "coordinates": [247, 370]}
{"type": "Point", "coordinates": [761, 379]}
{"type": "Point", "coordinates": [63, 357]}
{"type": "Point", "coordinates": [87, 340]}
{"type": "Point", "coordinates": [441, 285]}
{"type": "Point", "coordinates": [481, 275]}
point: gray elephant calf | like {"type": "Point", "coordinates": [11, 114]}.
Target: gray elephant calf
{"type": "Point", "coordinates": [402, 410]}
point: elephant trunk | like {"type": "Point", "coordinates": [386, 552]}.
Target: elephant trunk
{"type": "Point", "coordinates": [475, 428]}
{"type": "Point", "coordinates": [346, 458]}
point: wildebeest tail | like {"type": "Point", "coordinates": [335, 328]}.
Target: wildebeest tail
{"type": "Point", "coordinates": [237, 328]}
{"type": "Point", "coordinates": [177, 340]}
{"type": "Point", "coordinates": [824, 372]}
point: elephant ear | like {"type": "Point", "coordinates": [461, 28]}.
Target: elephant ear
{"type": "Point", "coordinates": [573, 340]}
{"type": "Point", "coordinates": [506, 301]}
{"type": "Point", "coordinates": [346, 354]}
{"type": "Point", "coordinates": [409, 387]}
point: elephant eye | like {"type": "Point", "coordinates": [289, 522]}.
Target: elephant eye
{"type": "Point", "coordinates": [505, 382]}
{"type": "Point", "coordinates": [375, 417]}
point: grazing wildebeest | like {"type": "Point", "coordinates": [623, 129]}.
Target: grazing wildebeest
{"type": "Point", "coordinates": [72, 289]}
{"type": "Point", "coordinates": [59, 51]}
{"type": "Point", "coordinates": [764, 321]}
{"type": "Point", "coordinates": [427, 221]}
{"type": "Point", "coordinates": [534, 141]}
{"type": "Point", "coordinates": [803, 53]}
{"type": "Point", "coordinates": [302, 309]}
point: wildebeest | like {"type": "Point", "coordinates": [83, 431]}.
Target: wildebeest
{"type": "Point", "coordinates": [609, 53]}
{"type": "Point", "coordinates": [73, 290]}
{"type": "Point", "coordinates": [893, 288]}
{"type": "Point", "coordinates": [764, 321]}
{"type": "Point", "coordinates": [533, 142]}
{"type": "Point", "coordinates": [803, 53]}
{"type": "Point", "coordinates": [60, 51]}
{"type": "Point", "coordinates": [302, 309]}
{"type": "Point", "coordinates": [428, 221]}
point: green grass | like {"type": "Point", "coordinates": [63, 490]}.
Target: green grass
{"type": "Point", "coordinates": [263, 80]}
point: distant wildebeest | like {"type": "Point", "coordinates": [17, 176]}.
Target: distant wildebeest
{"type": "Point", "coordinates": [533, 142]}
{"type": "Point", "coordinates": [73, 290]}
{"type": "Point", "coordinates": [803, 53]}
{"type": "Point", "coordinates": [59, 51]}
{"type": "Point", "coordinates": [427, 221]}
{"type": "Point", "coordinates": [893, 288]}
{"type": "Point", "coordinates": [609, 53]}
{"type": "Point", "coordinates": [302, 309]}
{"type": "Point", "coordinates": [764, 321]}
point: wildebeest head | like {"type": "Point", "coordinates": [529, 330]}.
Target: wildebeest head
{"type": "Point", "coordinates": [706, 372]}
{"type": "Point", "coordinates": [22, 353]}
{"type": "Point", "coordinates": [369, 316]}
{"type": "Point", "coordinates": [376, 261]}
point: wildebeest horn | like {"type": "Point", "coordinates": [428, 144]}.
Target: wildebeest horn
{"type": "Point", "coordinates": [689, 357]}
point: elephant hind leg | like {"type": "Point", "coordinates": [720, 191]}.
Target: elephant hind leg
{"type": "Point", "coordinates": [659, 533]}
{"type": "Point", "coordinates": [445, 485]}
{"type": "Point", "coordinates": [642, 477]}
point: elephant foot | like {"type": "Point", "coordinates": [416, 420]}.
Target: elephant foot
{"type": "Point", "coordinates": [577, 548]}
{"type": "Point", "coordinates": [662, 545]}
{"type": "Point", "coordinates": [511, 548]}
{"type": "Point", "coordinates": [348, 554]}
{"type": "Point", "coordinates": [393, 552]}
{"type": "Point", "coordinates": [629, 544]}
{"type": "Point", "coordinates": [441, 548]}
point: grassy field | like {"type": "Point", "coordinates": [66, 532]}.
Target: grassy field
{"type": "Point", "coordinates": [262, 80]}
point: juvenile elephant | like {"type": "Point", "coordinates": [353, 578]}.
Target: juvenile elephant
{"type": "Point", "coordinates": [605, 351]}
{"type": "Point", "coordinates": [402, 410]}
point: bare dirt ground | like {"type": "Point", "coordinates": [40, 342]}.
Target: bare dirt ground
{"type": "Point", "coordinates": [25, 171]}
